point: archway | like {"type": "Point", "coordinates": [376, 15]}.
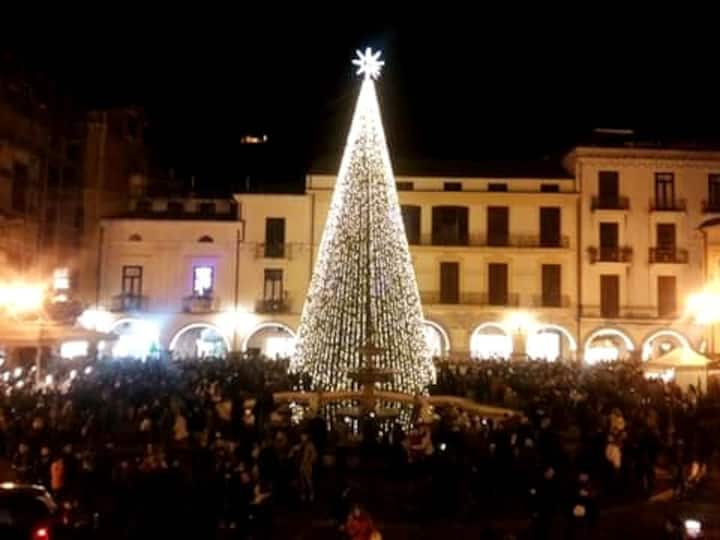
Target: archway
{"type": "Point", "coordinates": [662, 342]}
{"type": "Point", "coordinates": [551, 342]}
{"type": "Point", "coordinates": [272, 340]}
{"type": "Point", "coordinates": [491, 341]}
{"type": "Point", "coordinates": [436, 338]}
{"type": "Point", "coordinates": [199, 340]}
{"type": "Point", "coordinates": [607, 345]}
{"type": "Point", "coordinates": [137, 338]}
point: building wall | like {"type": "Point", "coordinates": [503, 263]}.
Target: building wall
{"type": "Point", "coordinates": [637, 229]}
{"type": "Point", "coordinates": [169, 249]}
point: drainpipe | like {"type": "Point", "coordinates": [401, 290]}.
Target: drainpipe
{"type": "Point", "coordinates": [312, 235]}
{"type": "Point", "coordinates": [98, 266]}
{"type": "Point", "coordinates": [706, 276]}
{"type": "Point", "coordinates": [578, 249]}
{"type": "Point", "coordinates": [237, 287]}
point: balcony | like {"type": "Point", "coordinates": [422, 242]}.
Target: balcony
{"type": "Point", "coordinates": [129, 302]}
{"type": "Point", "coordinates": [272, 251]}
{"type": "Point", "coordinates": [273, 305]}
{"type": "Point", "coordinates": [562, 301]}
{"type": "Point", "coordinates": [200, 304]}
{"type": "Point", "coordinates": [481, 240]}
{"type": "Point", "coordinates": [670, 255]}
{"type": "Point", "coordinates": [610, 254]}
{"type": "Point", "coordinates": [711, 207]}
{"type": "Point", "coordinates": [610, 203]}
{"type": "Point", "coordinates": [624, 312]}
{"type": "Point", "coordinates": [668, 205]}
{"type": "Point", "coordinates": [468, 299]}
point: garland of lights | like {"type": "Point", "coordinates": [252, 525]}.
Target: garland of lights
{"type": "Point", "coordinates": [363, 286]}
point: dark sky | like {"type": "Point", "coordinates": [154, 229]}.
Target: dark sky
{"type": "Point", "coordinates": [455, 86]}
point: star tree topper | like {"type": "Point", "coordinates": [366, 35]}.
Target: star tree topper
{"type": "Point", "coordinates": [368, 63]}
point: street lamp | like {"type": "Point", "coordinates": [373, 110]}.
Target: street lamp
{"type": "Point", "coordinates": [704, 308]}
{"type": "Point", "coordinates": [22, 302]}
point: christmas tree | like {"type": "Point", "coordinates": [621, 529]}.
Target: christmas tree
{"type": "Point", "coordinates": [363, 295]}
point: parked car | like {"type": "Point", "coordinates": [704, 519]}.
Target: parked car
{"type": "Point", "coordinates": [28, 512]}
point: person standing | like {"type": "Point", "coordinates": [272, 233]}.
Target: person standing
{"type": "Point", "coordinates": [307, 456]}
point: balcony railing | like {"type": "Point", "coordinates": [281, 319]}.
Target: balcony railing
{"type": "Point", "coordinates": [668, 205]}
{"type": "Point", "coordinates": [514, 241]}
{"type": "Point", "coordinates": [272, 305]}
{"type": "Point", "coordinates": [468, 299]}
{"type": "Point", "coordinates": [562, 301]}
{"type": "Point", "coordinates": [200, 304]}
{"type": "Point", "coordinates": [668, 255]}
{"type": "Point", "coordinates": [610, 203]}
{"type": "Point", "coordinates": [621, 254]}
{"type": "Point", "coordinates": [711, 207]}
{"type": "Point", "coordinates": [129, 302]}
{"type": "Point", "coordinates": [625, 312]}
{"type": "Point", "coordinates": [272, 251]}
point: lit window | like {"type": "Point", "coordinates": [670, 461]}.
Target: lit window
{"type": "Point", "coordinates": [203, 280]}
{"type": "Point", "coordinates": [61, 279]}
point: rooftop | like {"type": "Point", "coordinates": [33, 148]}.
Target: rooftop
{"type": "Point", "coordinates": [544, 169]}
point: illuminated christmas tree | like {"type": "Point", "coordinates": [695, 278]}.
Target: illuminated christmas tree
{"type": "Point", "coordinates": [363, 305]}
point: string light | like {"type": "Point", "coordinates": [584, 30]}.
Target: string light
{"type": "Point", "coordinates": [363, 286]}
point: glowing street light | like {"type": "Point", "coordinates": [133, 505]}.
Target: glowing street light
{"type": "Point", "coordinates": [704, 308]}
{"type": "Point", "coordinates": [22, 298]}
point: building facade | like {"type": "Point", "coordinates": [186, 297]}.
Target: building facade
{"type": "Point", "coordinates": [591, 265]}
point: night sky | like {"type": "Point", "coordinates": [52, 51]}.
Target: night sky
{"type": "Point", "coordinates": [454, 88]}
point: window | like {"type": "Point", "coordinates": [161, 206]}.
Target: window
{"type": "Point", "coordinates": [497, 225]}
{"type": "Point", "coordinates": [175, 207]}
{"type": "Point", "coordinates": [132, 277]}
{"type": "Point", "coordinates": [608, 189]}
{"type": "Point", "coordinates": [664, 191]}
{"type": "Point", "coordinates": [497, 187]}
{"type": "Point", "coordinates": [275, 237]}
{"type": "Point", "coordinates": [449, 283]}
{"type": "Point", "coordinates": [609, 249]}
{"type": "Point", "coordinates": [132, 127]}
{"type": "Point", "coordinates": [206, 208]}
{"type": "Point", "coordinates": [609, 295]}
{"type": "Point", "coordinates": [405, 186]}
{"type": "Point", "coordinates": [550, 227]}
{"type": "Point", "coordinates": [143, 205]}
{"type": "Point", "coordinates": [452, 186]}
{"type": "Point", "coordinates": [19, 187]}
{"type": "Point", "coordinates": [497, 284]}
{"type": "Point", "coordinates": [667, 296]}
{"type": "Point", "coordinates": [411, 219]}
{"type": "Point", "coordinates": [61, 279]}
{"type": "Point", "coordinates": [551, 285]}
{"type": "Point", "coordinates": [549, 188]}
{"type": "Point", "coordinates": [450, 226]}
{"type": "Point", "coordinates": [273, 289]}
{"type": "Point", "coordinates": [665, 236]}
{"type": "Point", "coordinates": [714, 191]}
{"type": "Point", "coordinates": [203, 280]}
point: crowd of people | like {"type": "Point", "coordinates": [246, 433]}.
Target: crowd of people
{"type": "Point", "coordinates": [204, 447]}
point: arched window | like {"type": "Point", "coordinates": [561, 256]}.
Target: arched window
{"type": "Point", "coordinates": [135, 238]}
{"type": "Point", "coordinates": [205, 238]}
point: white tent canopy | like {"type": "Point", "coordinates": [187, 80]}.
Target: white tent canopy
{"type": "Point", "coordinates": [680, 358]}
{"type": "Point", "coordinates": [684, 365]}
